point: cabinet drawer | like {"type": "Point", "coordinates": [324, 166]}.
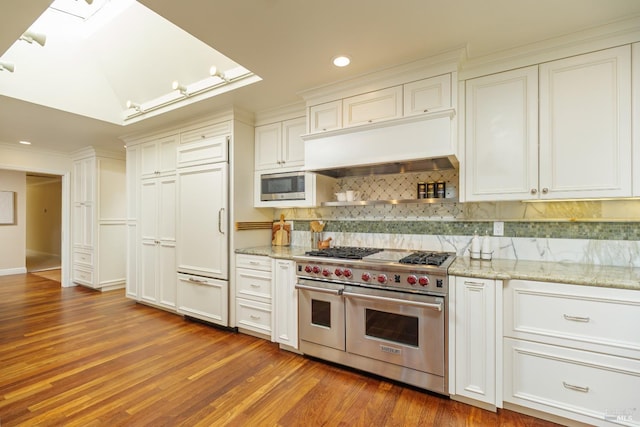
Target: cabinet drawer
{"type": "Point", "coordinates": [203, 298]}
{"type": "Point", "coordinates": [565, 382]}
{"type": "Point", "coordinates": [84, 276]}
{"type": "Point", "coordinates": [254, 285]}
{"type": "Point", "coordinates": [584, 314]}
{"type": "Point", "coordinates": [254, 316]}
{"type": "Point", "coordinates": [83, 257]}
{"type": "Point", "coordinates": [254, 262]}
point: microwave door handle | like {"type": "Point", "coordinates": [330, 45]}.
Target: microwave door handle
{"type": "Point", "coordinates": [320, 290]}
{"type": "Point", "coordinates": [436, 306]}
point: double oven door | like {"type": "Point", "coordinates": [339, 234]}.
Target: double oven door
{"type": "Point", "coordinates": [403, 329]}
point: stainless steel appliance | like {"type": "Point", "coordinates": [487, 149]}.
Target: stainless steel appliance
{"type": "Point", "coordinates": [283, 186]}
{"type": "Point", "coordinates": [381, 311]}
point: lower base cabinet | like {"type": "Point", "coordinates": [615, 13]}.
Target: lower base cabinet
{"type": "Point", "coordinates": [285, 301]}
{"type": "Point", "coordinates": [253, 297]}
{"type": "Point", "coordinates": [573, 351]}
{"type": "Point", "coordinates": [203, 298]}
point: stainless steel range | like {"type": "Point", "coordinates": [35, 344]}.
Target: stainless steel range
{"type": "Point", "coordinates": [380, 311]}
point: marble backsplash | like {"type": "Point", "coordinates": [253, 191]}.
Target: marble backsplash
{"type": "Point", "coordinates": [623, 253]}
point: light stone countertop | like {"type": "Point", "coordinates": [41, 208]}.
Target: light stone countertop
{"type": "Point", "coordinates": [506, 269]}
{"type": "Point", "coordinates": [543, 271]}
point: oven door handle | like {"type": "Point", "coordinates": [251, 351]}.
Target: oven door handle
{"type": "Point", "coordinates": [436, 306]}
{"type": "Point", "coordinates": [321, 290]}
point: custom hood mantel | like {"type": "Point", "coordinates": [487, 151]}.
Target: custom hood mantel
{"type": "Point", "coordinates": [411, 144]}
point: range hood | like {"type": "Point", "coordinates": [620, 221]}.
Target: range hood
{"type": "Point", "coordinates": [411, 144]}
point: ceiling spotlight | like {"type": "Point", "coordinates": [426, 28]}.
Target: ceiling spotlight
{"type": "Point", "coordinates": [181, 88]}
{"type": "Point", "coordinates": [7, 66]}
{"type": "Point", "coordinates": [24, 142]}
{"type": "Point", "coordinates": [216, 73]}
{"type": "Point", "coordinates": [137, 107]}
{"type": "Point", "coordinates": [30, 37]}
{"type": "Point", "coordinates": [89, 1]}
{"type": "Point", "coordinates": [341, 61]}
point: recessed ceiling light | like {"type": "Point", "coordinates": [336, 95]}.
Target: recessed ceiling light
{"type": "Point", "coordinates": [25, 143]}
{"type": "Point", "coordinates": [341, 61]}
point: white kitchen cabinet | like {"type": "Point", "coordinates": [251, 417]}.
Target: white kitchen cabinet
{"type": "Point", "coordinates": [476, 322]}
{"type": "Point", "coordinates": [204, 145]}
{"type": "Point", "coordinates": [635, 124]}
{"type": "Point", "coordinates": [581, 359]}
{"type": "Point", "coordinates": [203, 298]}
{"type": "Point", "coordinates": [158, 241]}
{"type": "Point", "coordinates": [202, 218]}
{"type": "Point", "coordinates": [325, 117]}
{"type": "Point", "coordinates": [253, 299]}
{"type": "Point", "coordinates": [285, 303]}
{"type": "Point", "coordinates": [278, 145]}
{"type": "Point", "coordinates": [501, 135]}
{"type": "Point", "coordinates": [98, 218]}
{"type": "Point", "coordinates": [427, 95]}
{"type": "Point", "coordinates": [384, 104]}
{"type": "Point", "coordinates": [585, 125]}
{"type": "Point", "coordinates": [562, 132]}
{"type": "Point", "coordinates": [133, 250]}
{"type": "Point", "coordinates": [158, 157]}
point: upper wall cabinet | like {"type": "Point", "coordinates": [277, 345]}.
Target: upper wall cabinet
{"type": "Point", "coordinates": [372, 107]}
{"type": "Point", "coordinates": [501, 128]}
{"type": "Point", "coordinates": [158, 157]}
{"type": "Point", "coordinates": [585, 126]}
{"type": "Point", "coordinates": [278, 145]}
{"type": "Point", "coordinates": [325, 117]}
{"type": "Point", "coordinates": [579, 148]}
{"type": "Point", "coordinates": [424, 96]}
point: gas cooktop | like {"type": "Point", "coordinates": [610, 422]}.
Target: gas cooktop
{"type": "Point", "coordinates": [387, 256]}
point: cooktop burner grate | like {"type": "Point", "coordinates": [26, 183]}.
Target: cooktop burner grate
{"type": "Point", "coordinates": [344, 252]}
{"type": "Point", "coordinates": [425, 258]}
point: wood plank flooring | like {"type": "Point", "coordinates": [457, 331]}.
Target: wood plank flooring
{"type": "Point", "coordinates": [76, 357]}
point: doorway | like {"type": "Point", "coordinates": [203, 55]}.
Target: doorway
{"type": "Point", "coordinates": [44, 225]}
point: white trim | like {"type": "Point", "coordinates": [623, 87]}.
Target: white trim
{"type": "Point", "coordinates": [10, 271]}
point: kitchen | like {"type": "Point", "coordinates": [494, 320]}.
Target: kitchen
{"type": "Point", "coordinates": [527, 226]}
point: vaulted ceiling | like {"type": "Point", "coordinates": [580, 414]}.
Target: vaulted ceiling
{"type": "Point", "coordinates": [289, 44]}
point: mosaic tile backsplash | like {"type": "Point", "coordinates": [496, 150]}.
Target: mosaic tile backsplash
{"type": "Point", "coordinates": [593, 232]}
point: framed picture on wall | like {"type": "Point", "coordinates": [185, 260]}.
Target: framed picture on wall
{"type": "Point", "coordinates": [7, 207]}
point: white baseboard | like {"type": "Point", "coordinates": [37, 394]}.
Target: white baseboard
{"type": "Point", "coordinates": [10, 271]}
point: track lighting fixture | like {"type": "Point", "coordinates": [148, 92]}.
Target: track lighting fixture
{"type": "Point", "coordinates": [30, 37]}
{"type": "Point", "coordinates": [216, 73]}
{"type": "Point", "coordinates": [181, 88]}
{"type": "Point", "coordinates": [133, 105]}
{"type": "Point", "coordinates": [7, 66]}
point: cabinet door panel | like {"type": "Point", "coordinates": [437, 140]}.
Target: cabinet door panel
{"type": "Point", "coordinates": [202, 224]}
{"type": "Point", "coordinates": [148, 266]}
{"type": "Point", "coordinates": [268, 155]}
{"type": "Point", "coordinates": [372, 107]}
{"type": "Point", "coordinates": [585, 125]}
{"type": "Point", "coordinates": [427, 95]}
{"type": "Point", "coordinates": [501, 136]}
{"type": "Point", "coordinates": [325, 117]}
{"type": "Point", "coordinates": [292, 144]}
{"type": "Point", "coordinates": [149, 210]}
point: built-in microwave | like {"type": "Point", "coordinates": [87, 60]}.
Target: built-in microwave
{"type": "Point", "coordinates": [282, 186]}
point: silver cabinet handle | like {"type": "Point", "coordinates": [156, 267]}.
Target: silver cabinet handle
{"type": "Point", "coordinates": [575, 387]}
{"type": "Point", "coordinates": [545, 190]}
{"type": "Point", "coordinates": [254, 262]}
{"type": "Point", "coordinates": [220, 220]}
{"type": "Point", "coordinates": [534, 191]}
{"type": "Point", "coordinates": [253, 285]}
{"type": "Point", "coordinates": [320, 290]}
{"type": "Point", "coordinates": [474, 284]}
{"type": "Point", "coordinates": [437, 306]}
{"type": "Point", "coordinates": [576, 318]}
{"type": "Point", "coordinates": [253, 316]}
{"type": "Point", "coordinates": [198, 281]}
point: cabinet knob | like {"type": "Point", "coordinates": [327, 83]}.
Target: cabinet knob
{"type": "Point", "coordinates": [534, 190]}
{"type": "Point", "coordinates": [545, 190]}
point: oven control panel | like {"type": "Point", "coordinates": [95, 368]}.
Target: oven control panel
{"type": "Point", "coordinates": [409, 279]}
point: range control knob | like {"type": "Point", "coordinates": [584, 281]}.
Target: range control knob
{"type": "Point", "coordinates": [366, 277]}
{"type": "Point", "coordinates": [347, 273]}
{"type": "Point", "coordinates": [424, 281]}
{"type": "Point", "coordinates": [326, 272]}
{"type": "Point", "coordinates": [412, 279]}
{"type": "Point", "coordinates": [307, 269]}
{"type": "Point", "coordinates": [338, 272]}
{"type": "Point", "coordinates": [316, 269]}
{"type": "Point", "coordinates": [382, 278]}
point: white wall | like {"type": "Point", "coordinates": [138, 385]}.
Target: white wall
{"type": "Point", "coordinates": [13, 238]}
{"type": "Point", "coordinates": [44, 215]}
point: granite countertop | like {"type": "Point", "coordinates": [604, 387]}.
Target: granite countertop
{"type": "Point", "coordinates": [507, 269]}
{"type": "Point", "coordinates": [281, 252]}
{"type": "Point", "coordinates": [573, 273]}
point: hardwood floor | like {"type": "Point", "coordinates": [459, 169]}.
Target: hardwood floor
{"type": "Point", "coordinates": [76, 357]}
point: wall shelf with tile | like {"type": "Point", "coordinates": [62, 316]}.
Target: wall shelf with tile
{"type": "Point", "coordinates": [391, 202]}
